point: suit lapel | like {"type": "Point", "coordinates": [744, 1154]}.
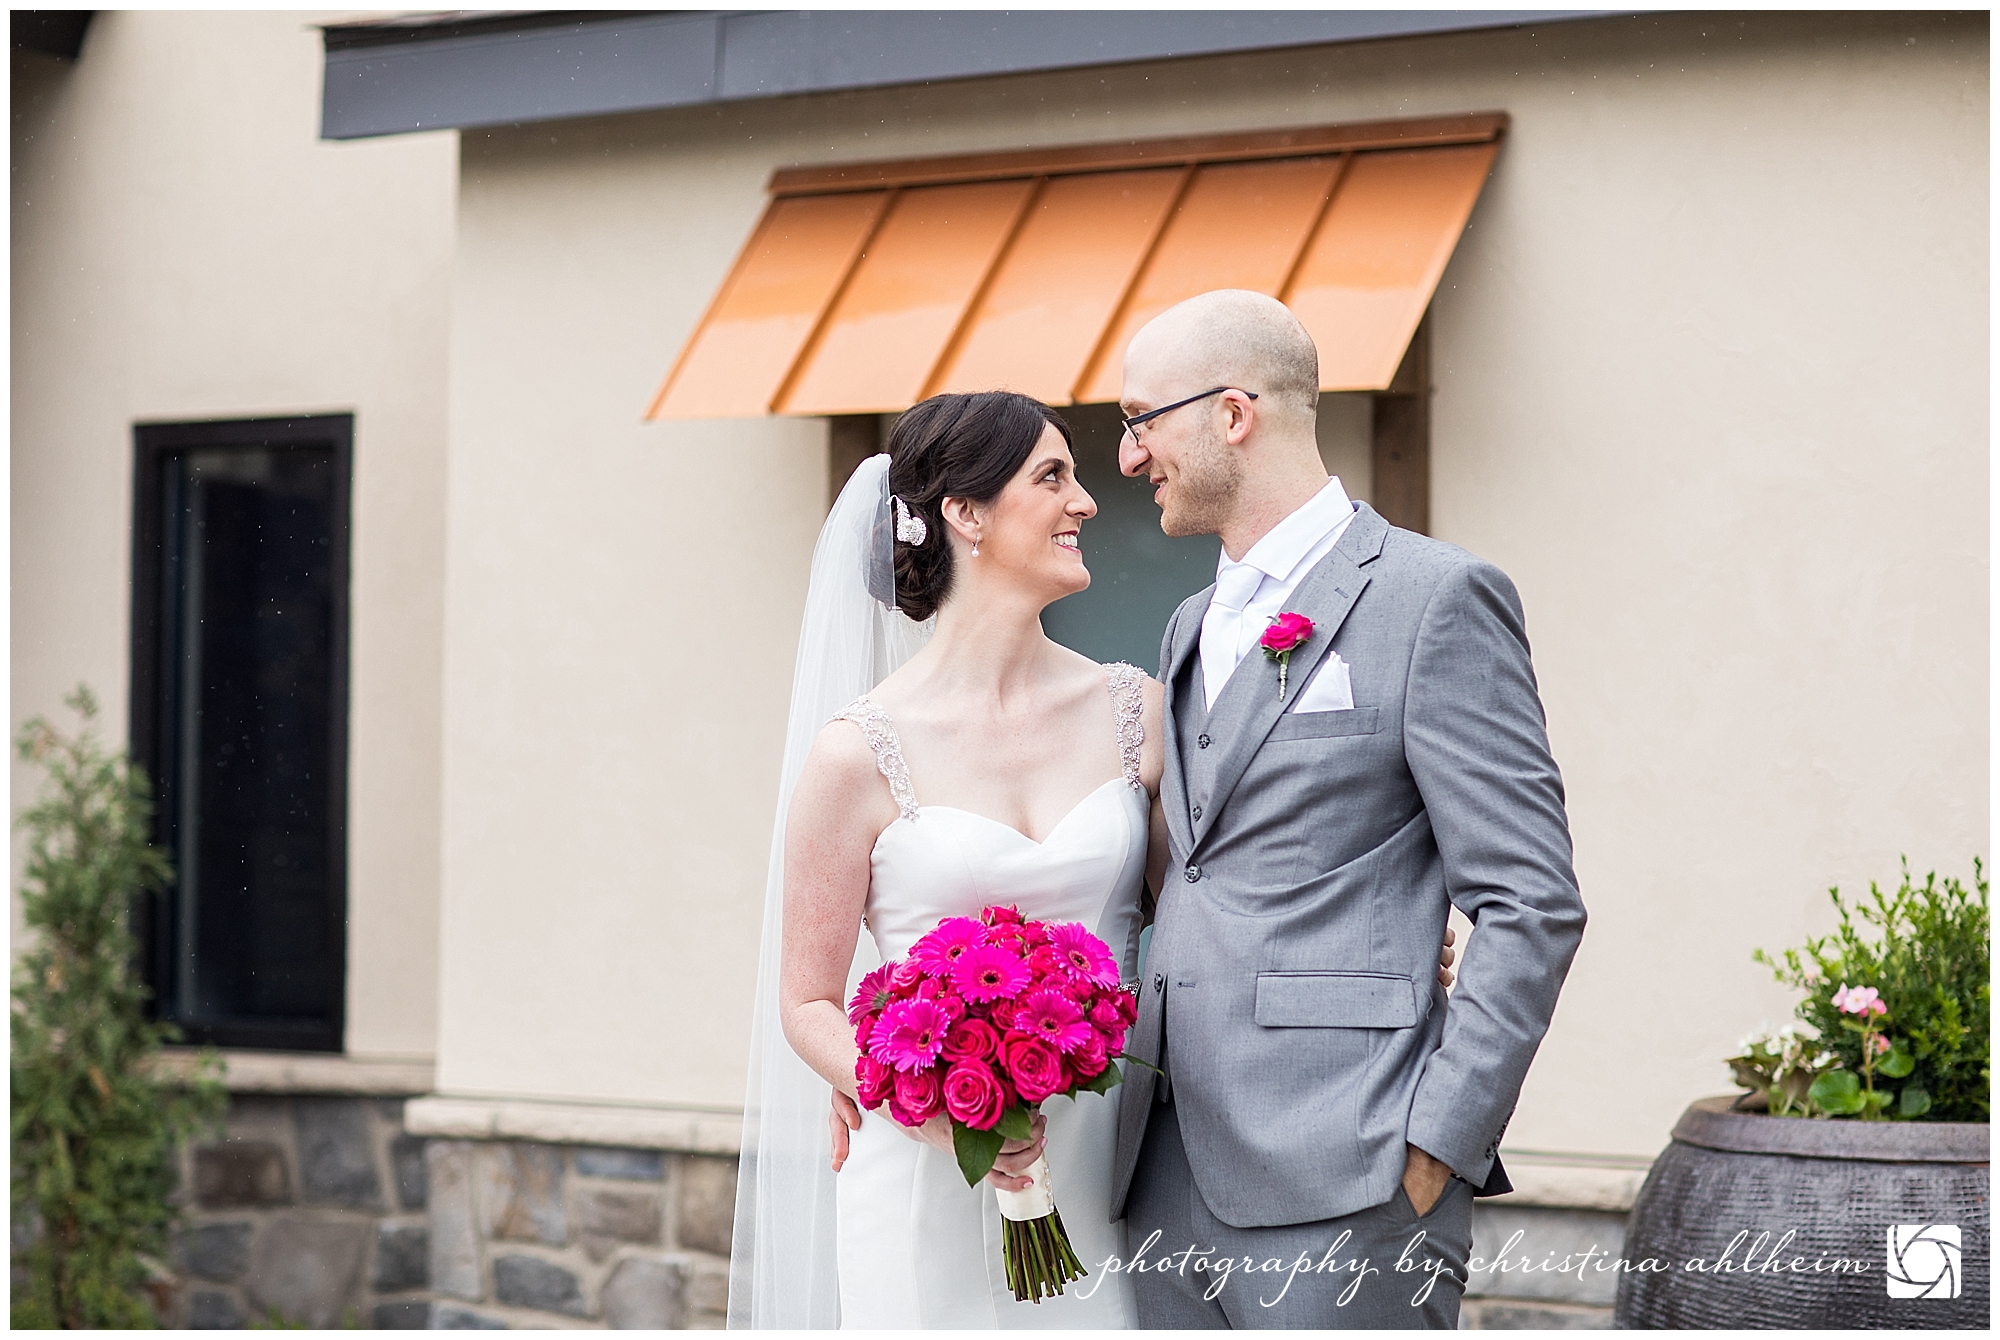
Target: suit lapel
{"type": "Point", "coordinates": [1248, 706]}
{"type": "Point", "coordinates": [1173, 787]}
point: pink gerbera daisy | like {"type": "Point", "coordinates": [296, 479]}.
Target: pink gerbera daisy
{"type": "Point", "coordinates": [936, 952]}
{"type": "Point", "coordinates": [871, 995]}
{"type": "Point", "coordinates": [910, 1035]}
{"type": "Point", "coordinates": [1054, 1018]}
{"type": "Point", "coordinates": [1084, 953]}
{"type": "Point", "coordinates": [988, 972]}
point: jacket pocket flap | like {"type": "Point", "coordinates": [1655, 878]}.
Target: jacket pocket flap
{"type": "Point", "coordinates": [1335, 1000]}
{"type": "Point", "coordinates": [1322, 725]}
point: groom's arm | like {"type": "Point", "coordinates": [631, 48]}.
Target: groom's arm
{"type": "Point", "coordinates": [1477, 744]}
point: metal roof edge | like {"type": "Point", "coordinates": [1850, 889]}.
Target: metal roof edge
{"type": "Point", "coordinates": [468, 69]}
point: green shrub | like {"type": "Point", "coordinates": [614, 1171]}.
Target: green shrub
{"type": "Point", "coordinates": [1930, 963]}
{"type": "Point", "coordinates": [95, 1125]}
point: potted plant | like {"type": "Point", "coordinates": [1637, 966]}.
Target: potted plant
{"type": "Point", "coordinates": [1848, 1184]}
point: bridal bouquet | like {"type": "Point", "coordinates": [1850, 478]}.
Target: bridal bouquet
{"type": "Point", "coordinates": [984, 1020]}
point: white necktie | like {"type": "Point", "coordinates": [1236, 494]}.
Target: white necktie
{"type": "Point", "coordinates": [1222, 626]}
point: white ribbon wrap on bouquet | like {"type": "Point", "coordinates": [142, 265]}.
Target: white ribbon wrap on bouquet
{"type": "Point", "coordinates": [1037, 1202]}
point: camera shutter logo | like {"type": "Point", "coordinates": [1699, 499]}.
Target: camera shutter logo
{"type": "Point", "coordinates": [1923, 1261]}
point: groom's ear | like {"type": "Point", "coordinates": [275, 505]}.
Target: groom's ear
{"type": "Point", "coordinates": [1240, 416]}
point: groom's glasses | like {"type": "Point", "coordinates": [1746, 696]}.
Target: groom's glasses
{"type": "Point", "coordinates": [1132, 423]}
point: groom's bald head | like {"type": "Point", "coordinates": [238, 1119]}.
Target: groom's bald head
{"type": "Point", "coordinates": [1232, 337]}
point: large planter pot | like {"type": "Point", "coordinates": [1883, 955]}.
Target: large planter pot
{"type": "Point", "coordinates": [1841, 1189]}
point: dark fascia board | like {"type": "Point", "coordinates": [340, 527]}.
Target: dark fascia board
{"type": "Point", "coordinates": [471, 69]}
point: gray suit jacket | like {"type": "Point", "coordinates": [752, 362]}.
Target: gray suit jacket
{"type": "Point", "coordinates": [1293, 960]}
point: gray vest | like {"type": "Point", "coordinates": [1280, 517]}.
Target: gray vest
{"type": "Point", "coordinates": [1199, 753]}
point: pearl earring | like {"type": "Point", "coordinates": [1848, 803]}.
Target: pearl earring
{"type": "Point", "coordinates": [975, 549]}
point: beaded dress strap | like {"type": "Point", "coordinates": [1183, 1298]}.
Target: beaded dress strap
{"type": "Point", "coordinates": [888, 750]}
{"type": "Point", "coordinates": [1128, 704]}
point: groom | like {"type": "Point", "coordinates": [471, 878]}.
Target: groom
{"type": "Point", "coordinates": [1325, 1117]}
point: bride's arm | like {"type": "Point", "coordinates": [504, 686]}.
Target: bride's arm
{"type": "Point", "coordinates": [839, 808]}
{"type": "Point", "coordinates": [841, 805]}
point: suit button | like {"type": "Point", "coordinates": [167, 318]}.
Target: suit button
{"type": "Point", "coordinates": [1197, 813]}
{"type": "Point", "coordinates": [1193, 873]}
{"type": "Point", "coordinates": [1201, 740]}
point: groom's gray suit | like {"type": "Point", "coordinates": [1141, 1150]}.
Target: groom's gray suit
{"type": "Point", "coordinates": [1290, 988]}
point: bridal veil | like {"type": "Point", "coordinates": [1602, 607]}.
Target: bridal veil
{"type": "Point", "coordinates": [783, 1265]}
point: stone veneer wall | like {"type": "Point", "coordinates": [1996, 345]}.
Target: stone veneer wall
{"type": "Point", "coordinates": [323, 1211]}
{"type": "Point", "coordinates": [1542, 1297]}
{"type": "Point", "coordinates": [312, 1208]}
{"type": "Point", "coordinates": [531, 1234]}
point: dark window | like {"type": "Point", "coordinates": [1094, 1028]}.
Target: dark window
{"type": "Point", "coordinates": [239, 714]}
{"type": "Point", "coordinates": [1138, 574]}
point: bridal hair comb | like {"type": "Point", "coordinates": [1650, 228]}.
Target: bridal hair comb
{"type": "Point", "coordinates": [910, 528]}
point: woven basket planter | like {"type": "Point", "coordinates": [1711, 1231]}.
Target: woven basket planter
{"type": "Point", "coordinates": [1838, 1187]}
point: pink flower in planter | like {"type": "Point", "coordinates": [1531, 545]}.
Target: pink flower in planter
{"type": "Point", "coordinates": [1859, 1000]}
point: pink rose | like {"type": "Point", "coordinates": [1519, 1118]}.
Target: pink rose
{"type": "Point", "coordinates": [906, 975]}
{"type": "Point", "coordinates": [1286, 632]}
{"type": "Point", "coordinates": [864, 1028]}
{"type": "Point", "coordinates": [1104, 1014]}
{"type": "Point", "coordinates": [920, 1094]}
{"type": "Point", "coordinates": [973, 1095]}
{"type": "Point", "coordinates": [996, 915]}
{"type": "Point", "coordinates": [1089, 1058]}
{"type": "Point", "coordinates": [873, 1081]}
{"type": "Point", "coordinates": [971, 1040]}
{"type": "Point", "coordinates": [1045, 962]}
{"type": "Point", "coordinates": [1035, 1066]}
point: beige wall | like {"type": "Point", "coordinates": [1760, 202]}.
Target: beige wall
{"type": "Point", "coordinates": [185, 247]}
{"type": "Point", "coordinates": [1711, 387]}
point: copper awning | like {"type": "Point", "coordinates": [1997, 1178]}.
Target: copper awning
{"type": "Point", "coordinates": [868, 287]}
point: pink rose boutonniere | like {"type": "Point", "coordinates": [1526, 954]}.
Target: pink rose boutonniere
{"type": "Point", "coordinates": [1285, 635]}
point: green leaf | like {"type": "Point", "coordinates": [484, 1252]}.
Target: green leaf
{"type": "Point", "coordinates": [1837, 1092]}
{"type": "Point", "coordinates": [1107, 1080]}
{"type": "Point", "coordinates": [1897, 1063]}
{"type": "Point", "coordinates": [1015, 1122]}
{"type": "Point", "coordinates": [976, 1150]}
{"type": "Point", "coordinates": [1915, 1102]}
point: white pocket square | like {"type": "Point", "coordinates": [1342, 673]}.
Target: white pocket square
{"type": "Point", "coordinates": [1331, 690]}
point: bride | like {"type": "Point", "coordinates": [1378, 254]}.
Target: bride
{"type": "Point", "coordinates": [943, 754]}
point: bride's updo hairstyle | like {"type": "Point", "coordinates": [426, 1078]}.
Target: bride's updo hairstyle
{"type": "Point", "coordinates": [955, 446]}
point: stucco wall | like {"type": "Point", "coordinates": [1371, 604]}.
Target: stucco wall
{"type": "Point", "coordinates": [184, 247]}
{"type": "Point", "coordinates": [1711, 387]}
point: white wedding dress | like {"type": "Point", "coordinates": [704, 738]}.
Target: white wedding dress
{"type": "Point", "coordinates": [917, 1246]}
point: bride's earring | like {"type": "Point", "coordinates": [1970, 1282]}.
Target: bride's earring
{"type": "Point", "coordinates": [975, 549]}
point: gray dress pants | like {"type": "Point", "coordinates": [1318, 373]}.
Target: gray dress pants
{"type": "Point", "coordinates": [1384, 1267]}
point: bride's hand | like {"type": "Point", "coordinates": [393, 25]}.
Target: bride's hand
{"type": "Point", "coordinates": [1016, 1156]}
{"type": "Point", "coordinates": [845, 1117]}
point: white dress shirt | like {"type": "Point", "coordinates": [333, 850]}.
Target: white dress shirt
{"type": "Point", "coordinates": [1252, 592]}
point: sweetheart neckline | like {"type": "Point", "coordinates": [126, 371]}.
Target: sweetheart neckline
{"type": "Point", "coordinates": [998, 823]}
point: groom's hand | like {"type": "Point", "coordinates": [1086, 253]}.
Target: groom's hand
{"type": "Point", "coordinates": [1445, 956]}
{"type": "Point", "coordinates": [1423, 1179]}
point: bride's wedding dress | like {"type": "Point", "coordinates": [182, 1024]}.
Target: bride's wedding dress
{"type": "Point", "coordinates": [917, 1247]}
